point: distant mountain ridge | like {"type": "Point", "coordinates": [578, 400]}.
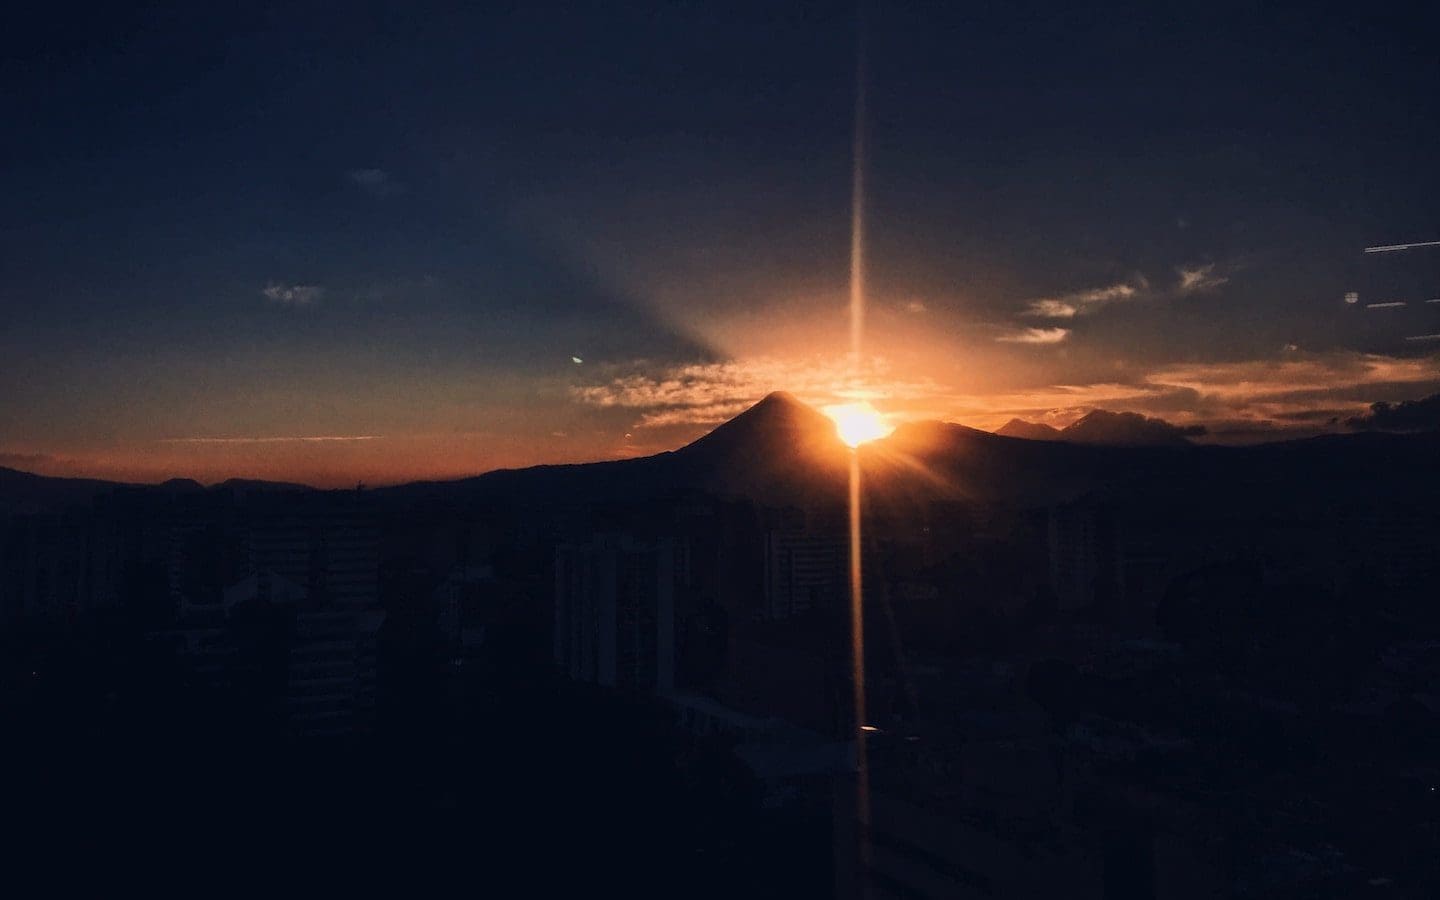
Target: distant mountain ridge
{"type": "Point", "coordinates": [1030, 431]}
{"type": "Point", "coordinates": [26, 492]}
{"type": "Point", "coordinates": [1105, 428]}
{"type": "Point", "coordinates": [782, 452]}
{"type": "Point", "coordinates": [23, 492]}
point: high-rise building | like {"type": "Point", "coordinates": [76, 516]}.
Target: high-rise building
{"type": "Point", "coordinates": [329, 545]}
{"type": "Point", "coordinates": [804, 570]}
{"type": "Point", "coordinates": [1086, 567]}
{"type": "Point", "coordinates": [615, 611]}
{"type": "Point", "coordinates": [60, 566]}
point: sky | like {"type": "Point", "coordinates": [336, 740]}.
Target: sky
{"type": "Point", "coordinates": [383, 242]}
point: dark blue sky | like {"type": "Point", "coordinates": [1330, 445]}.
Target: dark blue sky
{"type": "Point", "coordinates": [399, 223]}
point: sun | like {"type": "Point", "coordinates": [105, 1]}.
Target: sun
{"type": "Point", "coordinates": [858, 423]}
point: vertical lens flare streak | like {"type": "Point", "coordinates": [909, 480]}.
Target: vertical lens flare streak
{"type": "Point", "coordinates": [857, 328]}
{"type": "Point", "coordinates": [857, 203]}
{"type": "Point", "coordinates": [857, 653]}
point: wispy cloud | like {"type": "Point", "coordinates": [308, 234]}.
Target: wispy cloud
{"type": "Point", "coordinates": [376, 181]}
{"type": "Point", "coordinates": [305, 439]}
{"type": "Point", "coordinates": [710, 393]}
{"type": "Point", "coordinates": [1035, 336]}
{"type": "Point", "coordinates": [1192, 279]}
{"type": "Point", "coordinates": [25, 460]}
{"type": "Point", "coordinates": [1295, 374]}
{"type": "Point", "coordinates": [1053, 309]}
{"type": "Point", "coordinates": [1294, 392]}
{"type": "Point", "coordinates": [1068, 306]}
{"type": "Point", "coordinates": [293, 294]}
{"type": "Point", "coordinates": [1244, 400]}
{"type": "Point", "coordinates": [1198, 278]}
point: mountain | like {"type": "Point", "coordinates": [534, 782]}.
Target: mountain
{"type": "Point", "coordinates": [1105, 428]}
{"type": "Point", "coordinates": [941, 459]}
{"type": "Point", "coordinates": [1030, 431]}
{"type": "Point", "coordinates": [782, 452]}
{"type": "Point", "coordinates": [779, 425]}
{"type": "Point", "coordinates": [778, 445]}
{"type": "Point", "coordinates": [182, 486]}
{"type": "Point", "coordinates": [254, 486]}
{"type": "Point", "coordinates": [24, 492]}
{"type": "Point", "coordinates": [1126, 429]}
{"type": "Point", "coordinates": [780, 449]}
{"type": "Point", "coordinates": [1407, 415]}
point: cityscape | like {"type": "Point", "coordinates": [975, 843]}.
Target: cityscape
{"type": "Point", "coordinates": [1084, 676]}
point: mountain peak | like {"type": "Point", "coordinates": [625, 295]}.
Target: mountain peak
{"type": "Point", "coordinates": [780, 418]}
{"type": "Point", "coordinates": [1033, 431]}
{"type": "Point", "coordinates": [1106, 428]}
{"type": "Point", "coordinates": [780, 400]}
{"type": "Point", "coordinates": [1127, 429]}
{"type": "Point", "coordinates": [777, 442]}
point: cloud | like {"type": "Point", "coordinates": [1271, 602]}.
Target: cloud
{"type": "Point", "coordinates": [1192, 280]}
{"type": "Point", "coordinates": [1052, 309]}
{"type": "Point", "coordinates": [293, 294]}
{"type": "Point", "coordinates": [1295, 374]}
{"type": "Point", "coordinates": [915, 306]}
{"type": "Point", "coordinates": [1068, 306]}
{"type": "Point", "coordinates": [307, 439]}
{"type": "Point", "coordinates": [25, 460]}
{"type": "Point", "coordinates": [1195, 279]}
{"type": "Point", "coordinates": [1296, 392]}
{"type": "Point", "coordinates": [1407, 415]}
{"type": "Point", "coordinates": [710, 393]}
{"type": "Point", "coordinates": [1035, 336]}
{"type": "Point", "coordinates": [376, 181]}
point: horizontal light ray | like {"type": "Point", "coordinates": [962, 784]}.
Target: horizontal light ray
{"type": "Point", "coordinates": [1424, 337]}
{"type": "Point", "coordinates": [312, 439]}
{"type": "Point", "coordinates": [1390, 248]}
{"type": "Point", "coordinates": [1390, 305]}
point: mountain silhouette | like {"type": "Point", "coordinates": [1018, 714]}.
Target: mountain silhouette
{"type": "Point", "coordinates": [24, 492]}
{"type": "Point", "coordinates": [777, 445]}
{"type": "Point", "coordinates": [779, 425]}
{"type": "Point", "coordinates": [1103, 427]}
{"type": "Point", "coordinates": [1030, 431]}
{"type": "Point", "coordinates": [1126, 429]}
{"type": "Point", "coordinates": [783, 452]}
{"type": "Point", "coordinates": [780, 449]}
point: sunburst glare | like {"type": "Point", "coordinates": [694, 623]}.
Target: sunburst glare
{"type": "Point", "coordinates": [857, 423]}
